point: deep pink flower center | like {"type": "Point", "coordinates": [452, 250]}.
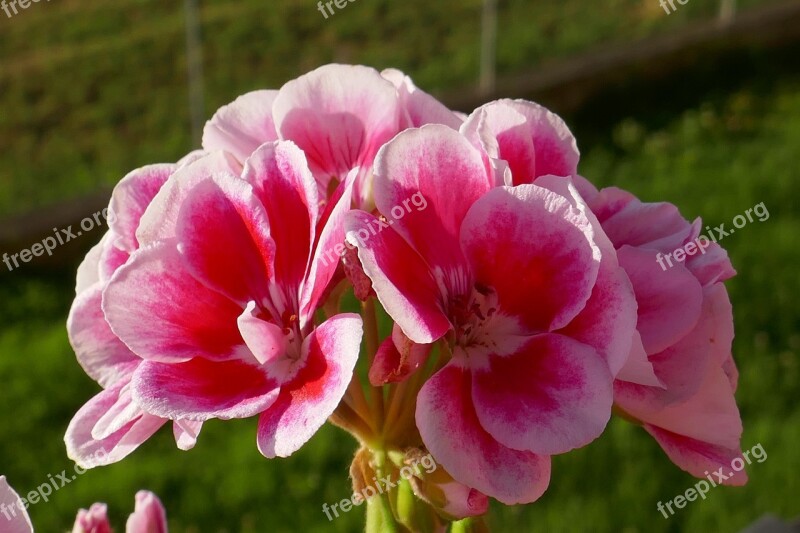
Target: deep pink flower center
{"type": "Point", "coordinates": [473, 314]}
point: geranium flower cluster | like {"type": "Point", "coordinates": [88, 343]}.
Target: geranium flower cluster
{"type": "Point", "coordinates": [525, 305]}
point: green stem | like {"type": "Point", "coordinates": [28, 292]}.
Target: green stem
{"type": "Point", "coordinates": [475, 524]}
{"type": "Point", "coordinates": [380, 518]}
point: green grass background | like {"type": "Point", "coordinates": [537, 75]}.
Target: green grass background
{"type": "Point", "coordinates": [90, 91]}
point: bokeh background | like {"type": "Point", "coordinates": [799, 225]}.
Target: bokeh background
{"type": "Point", "coordinates": [699, 107]}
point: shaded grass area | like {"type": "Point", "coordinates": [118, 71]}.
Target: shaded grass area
{"type": "Point", "coordinates": [715, 160]}
{"type": "Point", "coordinates": [89, 91]}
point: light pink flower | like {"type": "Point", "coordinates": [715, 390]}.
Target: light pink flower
{"type": "Point", "coordinates": [93, 520]}
{"type": "Point", "coordinates": [148, 516]}
{"type": "Point", "coordinates": [339, 115]}
{"type": "Point", "coordinates": [110, 426]}
{"type": "Point", "coordinates": [681, 378]}
{"type": "Point", "coordinates": [527, 290]}
{"type": "Point", "coordinates": [220, 299]}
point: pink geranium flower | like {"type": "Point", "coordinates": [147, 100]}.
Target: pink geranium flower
{"type": "Point", "coordinates": [220, 299]}
{"type": "Point", "coordinates": [92, 520]}
{"type": "Point", "coordinates": [526, 290]}
{"type": "Point", "coordinates": [111, 422]}
{"type": "Point", "coordinates": [148, 516]}
{"type": "Point", "coordinates": [681, 377]}
{"type": "Point", "coordinates": [339, 115]}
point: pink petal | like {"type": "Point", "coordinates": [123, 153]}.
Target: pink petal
{"type": "Point", "coordinates": [710, 263]}
{"type": "Point", "coordinates": [420, 107]}
{"type": "Point", "coordinates": [683, 366]}
{"type": "Point", "coordinates": [551, 396]}
{"type": "Point", "coordinates": [669, 300]}
{"type": "Point", "coordinates": [585, 188]}
{"type": "Point", "coordinates": [405, 288]}
{"type": "Point", "coordinates": [162, 313]}
{"type": "Point", "coordinates": [242, 126]}
{"type": "Point", "coordinates": [149, 515]}
{"type": "Point", "coordinates": [130, 199]}
{"type": "Point", "coordinates": [117, 416]}
{"type": "Point", "coordinates": [102, 355]}
{"type": "Point", "coordinates": [534, 141]}
{"type": "Point", "coordinates": [718, 307]}
{"type": "Point", "coordinates": [463, 501]}
{"type": "Point", "coordinates": [186, 433]}
{"type": "Point", "coordinates": [712, 267]}
{"type": "Point", "coordinates": [89, 452]}
{"type": "Point", "coordinates": [710, 416]}
{"type": "Point", "coordinates": [225, 241]}
{"type": "Point", "coordinates": [17, 519]}
{"type": "Point", "coordinates": [699, 458]}
{"type": "Point", "coordinates": [324, 261]}
{"type": "Point", "coordinates": [264, 339]}
{"type": "Point", "coordinates": [159, 220]}
{"type": "Point", "coordinates": [89, 269]}
{"type": "Point", "coordinates": [438, 165]}
{"type": "Point", "coordinates": [397, 358]}
{"type": "Point", "coordinates": [609, 317]}
{"type": "Point", "coordinates": [283, 183]}
{"type": "Point", "coordinates": [93, 520]}
{"type": "Point", "coordinates": [536, 251]}
{"type": "Point", "coordinates": [339, 115]}
{"type": "Point", "coordinates": [199, 389]}
{"type": "Point", "coordinates": [100, 263]}
{"type": "Point", "coordinates": [452, 433]}
{"type": "Point", "coordinates": [111, 258]}
{"type": "Point", "coordinates": [629, 221]}
{"type": "Point", "coordinates": [306, 402]}
{"type": "Point", "coordinates": [608, 202]}
{"type": "Point", "coordinates": [638, 368]}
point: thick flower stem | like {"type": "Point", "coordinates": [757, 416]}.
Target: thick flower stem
{"type": "Point", "coordinates": [380, 518]}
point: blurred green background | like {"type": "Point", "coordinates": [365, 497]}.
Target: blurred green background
{"type": "Point", "coordinates": [91, 91]}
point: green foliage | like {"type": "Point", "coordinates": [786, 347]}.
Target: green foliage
{"type": "Point", "coordinates": [90, 91]}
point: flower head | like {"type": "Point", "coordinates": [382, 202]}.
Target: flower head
{"type": "Point", "coordinates": [528, 295]}
{"type": "Point", "coordinates": [221, 300]}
